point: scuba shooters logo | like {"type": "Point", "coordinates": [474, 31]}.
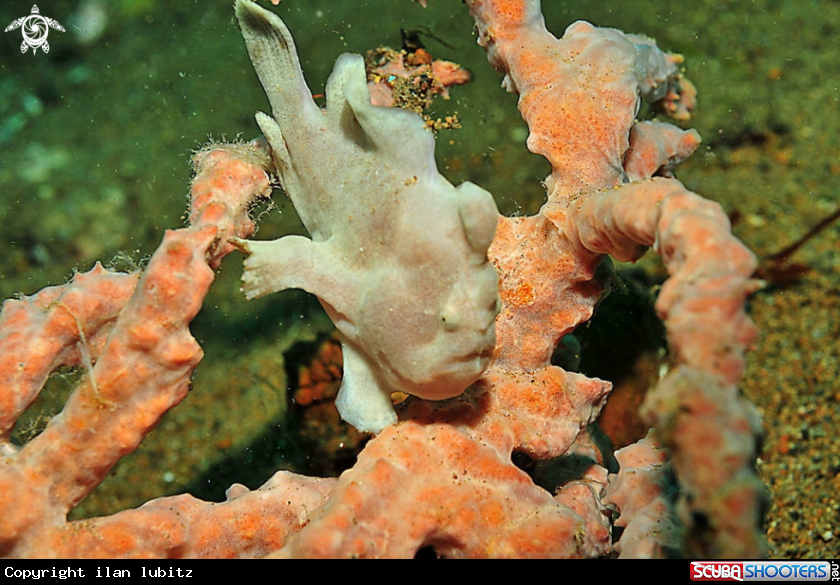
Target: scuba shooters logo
{"type": "Point", "coordinates": [760, 571]}
{"type": "Point", "coordinates": [35, 29]}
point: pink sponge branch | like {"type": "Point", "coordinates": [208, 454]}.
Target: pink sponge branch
{"type": "Point", "coordinates": [59, 326]}
{"type": "Point", "coordinates": [579, 94]}
{"type": "Point", "coordinates": [711, 431]}
{"type": "Point", "coordinates": [470, 503]}
{"type": "Point", "coordinates": [710, 270]}
{"type": "Point", "coordinates": [147, 361]}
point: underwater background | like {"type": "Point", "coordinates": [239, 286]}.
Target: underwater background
{"type": "Point", "coordinates": [95, 140]}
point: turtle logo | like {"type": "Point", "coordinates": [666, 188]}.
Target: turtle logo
{"type": "Point", "coordinates": [35, 29]}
